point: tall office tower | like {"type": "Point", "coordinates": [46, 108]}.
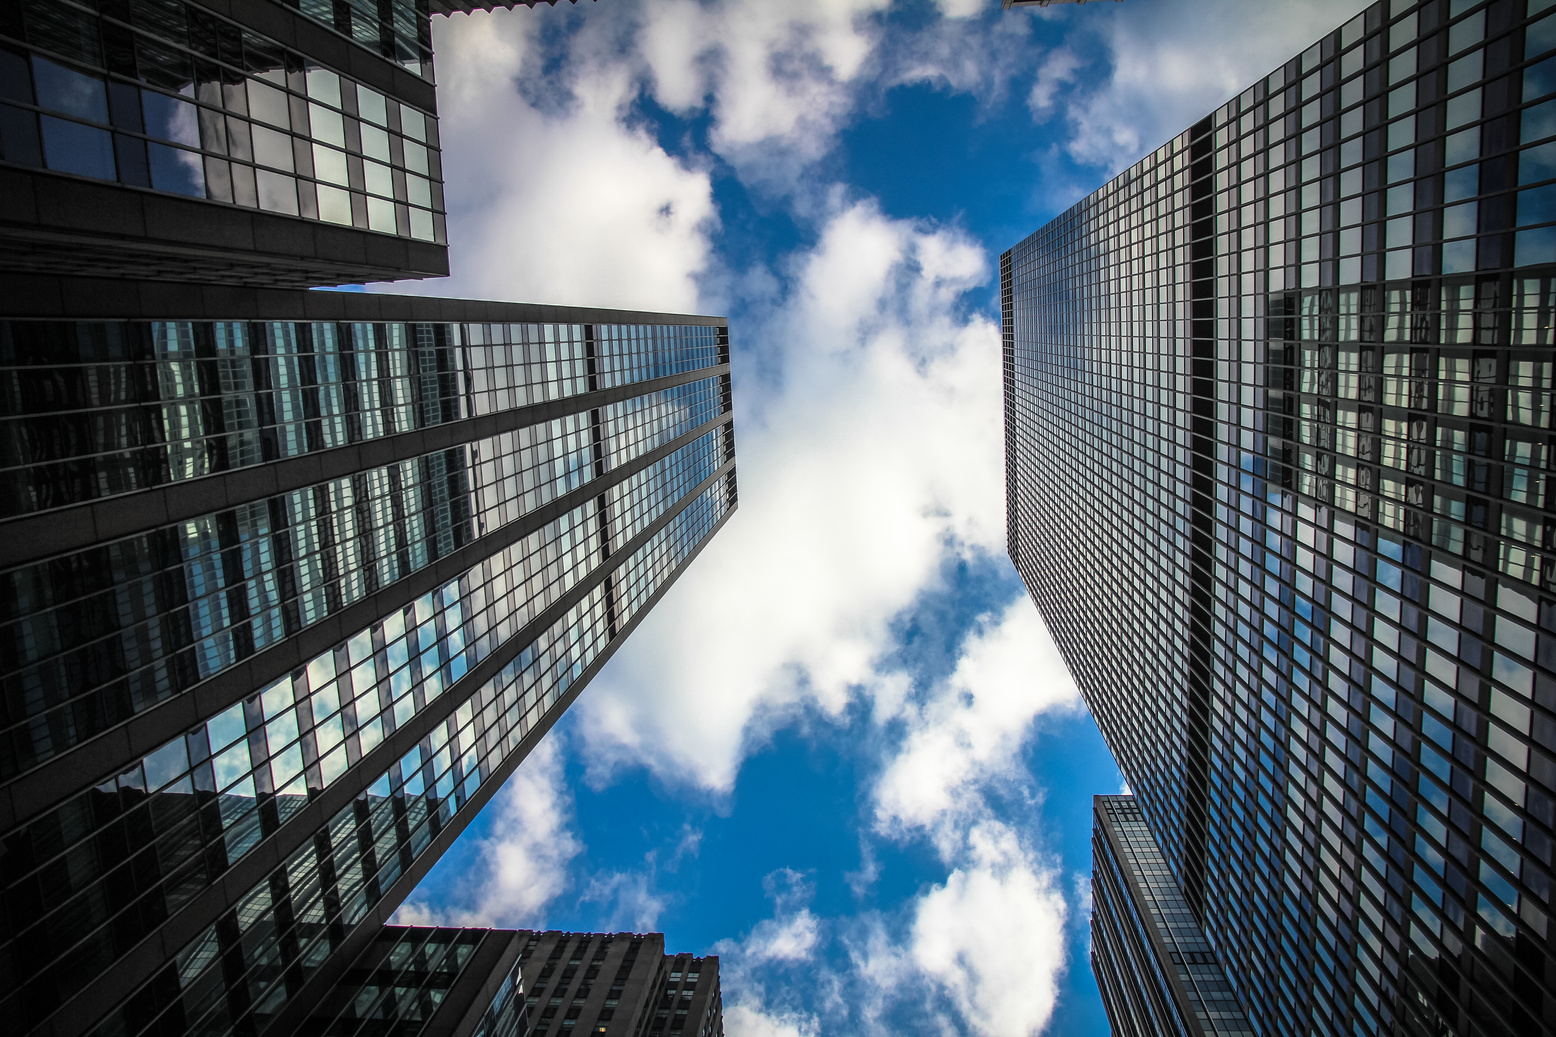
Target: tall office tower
{"type": "Point", "coordinates": [292, 581]}
{"type": "Point", "coordinates": [217, 142]}
{"type": "Point", "coordinates": [620, 983]}
{"type": "Point", "coordinates": [285, 601]}
{"type": "Point", "coordinates": [1278, 420]}
{"type": "Point", "coordinates": [413, 981]}
{"type": "Point", "coordinates": [1155, 970]}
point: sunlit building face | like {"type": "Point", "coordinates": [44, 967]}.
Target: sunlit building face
{"type": "Point", "coordinates": [1278, 419]}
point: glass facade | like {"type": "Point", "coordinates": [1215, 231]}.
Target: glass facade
{"type": "Point", "coordinates": [98, 635]}
{"type": "Point", "coordinates": [399, 30]}
{"type": "Point", "coordinates": [1156, 972]}
{"type": "Point", "coordinates": [1277, 404]}
{"type": "Point", "coordinates": [398, 985]}
{"type": "Point", "coordinates": [614, 464]}
{"type": "Point", "coordinates": [170, 96]}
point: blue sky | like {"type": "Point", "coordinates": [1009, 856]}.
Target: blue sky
{"type": "Point", "coordinates": [842, 753]}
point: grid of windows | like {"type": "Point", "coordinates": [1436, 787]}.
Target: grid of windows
{"type": "Point", "coordinates": [513, 365]}
{"type": "Point", "coordinates": [95, 636]}
{"type": "Point", "coordinates": [688, 999]}
{"type": "Point", "coordinates": [242, 969]}
{"type": "Point", "coordinates": [396, 986]}
{"type": "Point", "coordinates": [1137, 904]}
{"type": "Point", "coordinates": [399, 30]}
{"type": "Point", "coordinates": [649, 993]}
{"type": "Point", "coordinates": [139, 847]}
{"type": "Point", "coordinates": [558, 1006]}
{"type": "Point", "coordinates": [169, 96]}
{"type": "Point", "coordinates": [97, 409]}
{"type": "Point", "coordinates": [1277, 404]}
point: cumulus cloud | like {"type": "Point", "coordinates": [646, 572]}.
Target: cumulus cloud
{"type": "Point", "coordinates": [789, 938]}
{"type": "Point", "coordinates": [526, 863]}
{"type": "Point", "coordinates": [981, 952]}
{"type": "Point", "coordinates": [565, 201]}
{"type": "Point", "coordinates": [1165, 65]}
{"type": "Point", "coordinates": [632, 902]}
{"type": "Point", "coordinates": [776, 77]}
{"type": "Point", "coordinates": [992, 935]}
{"type": "Point", "coordinates": [751, 1020]}
{"type": "Point", "coordinates": [875, 450]}
{"type": "Point", "coordinates": [971, 730]}
{"type": "Point", "coordinates": [780, 81]}
{"type": "Point", "coordinates": [1056, 72]}
{"type": "Point", "coordinates": [792, 934]}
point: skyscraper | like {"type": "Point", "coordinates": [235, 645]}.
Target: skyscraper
{"type": "Point", "coordinates": [504, 983]}
{"type": "Point", "coordinates": [157, 139]}
{"type": "Point", "coordinates": [1278, 407]}
{"type": "Point", "coordinates": [286, 601]}
{"type": "Point", "coordinates": [292, 580]}
{"type": "Point", "coordinates": [1155, 970]}
{"type": "Point", "coordinates": [413, 980]}
{"type": "Point", "coordinates": [599, 983]}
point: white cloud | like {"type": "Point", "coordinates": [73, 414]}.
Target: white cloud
{"type": "Point", "coordinates": [870, 450]}
{"type": "Point", "coordinates": [559, 203]}
{"type": "Point", "coordinates": [779, 81]}
{"type": "Point", "coordinates": [1057, 71]}
{"type": "Point", "coordinates": [634, 902]}
{"type": "Point", "coordinates": [981, 952]}
{"type": "Point", "coordinates": [776, 77]}
{"type": "Point", "coordinates": [972, 729]}
{"type": "Point", "coordinates": [1174, 61]}
{"type": "Point", "coordinates": [525, 864]}
{"type": "Point", "coordinates": [752, 1020]}
{"type": "Point", "coordinates": [791, 939]}
{"type": "Point", "coordinates": [792, 934]}
{"type": "Point", "coordinates": [993, 936]}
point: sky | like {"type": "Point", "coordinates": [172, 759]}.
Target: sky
{"type": "Point", "coordinates": [842, 753]}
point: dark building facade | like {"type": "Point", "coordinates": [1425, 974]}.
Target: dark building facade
{"type": "Point", "coordinates": [218, 142]}
{"type": "Point", "coordinates": [287, 600]}
{"type": "Point", "coordinates": [292, 580]}
{"type": "Point", "coordinates": [413, 981]}
{"type": "Point", "coordinates": [236, 141]}
{"type": "Point", "coordinates": [427, 982]}
{"type": "Point", "coordinates": [1156, 972]}
{"type": "Point", "coordinates": [1278, 409]}
{"type": "Point", "coordinates": [619, 983]}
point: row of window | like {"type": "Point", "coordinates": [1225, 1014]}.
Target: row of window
{"type": "Point", "coordinates": [1245, 896]}
{"type": "Point", "coordinates": [99, 409]}
{"type": "Point", "coordinates": [490, 733]}
{"type": "Point", "coordinates": [348, 699]}
{"type": "Point", "coordinates": [97, 637]}
{"type": "Point", "coordinates": [222, 128]}
{"type": "Point", "coordinates": [449, 770]}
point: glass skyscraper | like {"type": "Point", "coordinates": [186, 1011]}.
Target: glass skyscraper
{"type": "Point", "coordinates": [290, 581]}
{"type": "Point", "coordinates": [509, 983]}
{"type": "Point", "coordinates": [219, 141]}
{"type": "Point", "coordinates": [1278, 419]}
{"type": "Point", "coordinates": [355, 569]}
